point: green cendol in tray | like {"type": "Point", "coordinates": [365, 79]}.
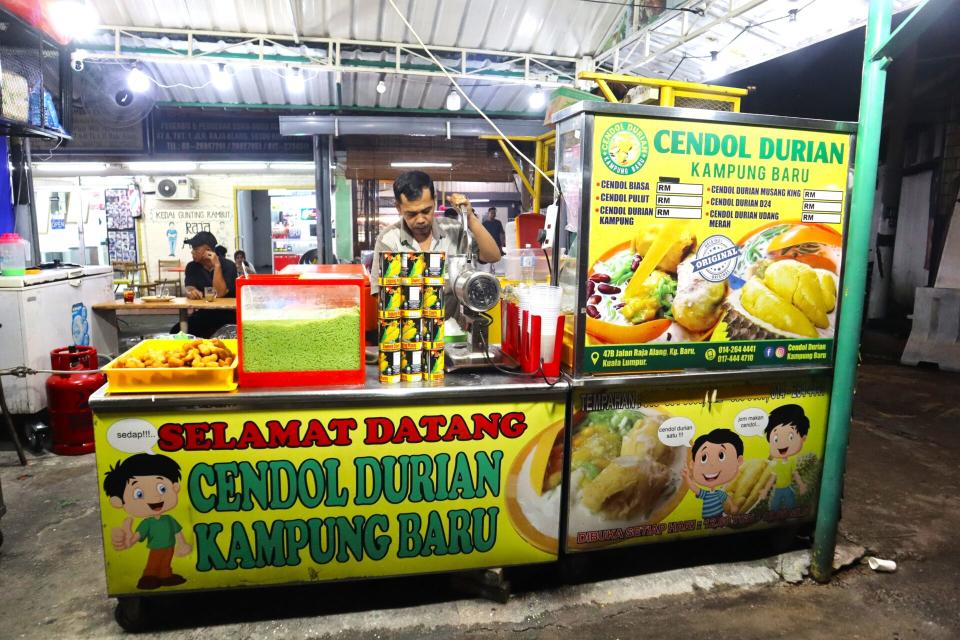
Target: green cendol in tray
{"type": "Point", "coordinates": [330, 342]}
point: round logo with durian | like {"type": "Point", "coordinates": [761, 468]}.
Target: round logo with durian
{"type": "Point", "coordinates": [624, 148]}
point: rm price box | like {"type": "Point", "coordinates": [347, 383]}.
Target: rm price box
{"type": "Point", "coordinates": [824, 207]}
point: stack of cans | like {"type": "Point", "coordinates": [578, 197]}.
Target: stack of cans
{"type": "Point", "coordinates": [411, 316]}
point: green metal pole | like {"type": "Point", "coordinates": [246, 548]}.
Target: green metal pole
{"type": "Point", "coordinates": [854, 286]}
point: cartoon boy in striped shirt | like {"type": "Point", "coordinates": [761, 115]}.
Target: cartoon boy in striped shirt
{"type": "Point", "coordinates": [716, 459]}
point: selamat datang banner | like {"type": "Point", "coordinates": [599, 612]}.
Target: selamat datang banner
{"type": "Point", "coordinates": [196, 501]}
{"type": "Point", "coordinates": [712, 245]}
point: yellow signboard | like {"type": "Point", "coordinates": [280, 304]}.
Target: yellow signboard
{"type": "Point", "coordinates": [712, 245]}
{"type": "Point", "coordinates": [650, 466]}
{"type": "Point", "coordinates": [196, 501]}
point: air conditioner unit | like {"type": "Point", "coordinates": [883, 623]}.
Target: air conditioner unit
{"type": "Point", "coordinates": [176, 188]}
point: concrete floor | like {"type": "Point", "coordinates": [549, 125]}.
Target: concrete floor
{"type": "Point", "coordinates": [902, 502]}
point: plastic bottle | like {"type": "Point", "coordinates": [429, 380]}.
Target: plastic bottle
{"type": "Point", "coordinates": [13, 255]}
{"type": "Point", "coordinates": [528, 266]}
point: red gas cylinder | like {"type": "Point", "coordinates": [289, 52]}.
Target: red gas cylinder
{"type": "Point", "coordinates": [68, 396]}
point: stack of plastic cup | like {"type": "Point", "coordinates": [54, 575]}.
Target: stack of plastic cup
{"type": "Point", "coordinates": [541, 300]}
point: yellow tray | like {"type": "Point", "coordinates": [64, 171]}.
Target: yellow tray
{"type": "Point", "coordinates": [162, 380]}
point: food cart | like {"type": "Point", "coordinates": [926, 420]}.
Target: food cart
{"type": "Point", "coordinates": [700, 259]}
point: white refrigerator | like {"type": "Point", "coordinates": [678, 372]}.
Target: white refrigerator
{"type": "Point", "coordinates": [45, 311]}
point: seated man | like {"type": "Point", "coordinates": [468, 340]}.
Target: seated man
{"type": "Point", "coordinates": [208, 270]}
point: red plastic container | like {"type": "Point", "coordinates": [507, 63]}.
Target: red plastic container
{"type": "Point", "coordinates": [67, 399]}
{"type": "Point", "coordinates": [524, 345]}
{"type": "Point", "coordinates": [302, 329]}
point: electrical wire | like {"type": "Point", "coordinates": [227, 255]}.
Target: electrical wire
{"type": "Point", "coordinates": [466, 97]}
{"type": "Point", "coordinates": [792, 13]}
{"type": "Point", "coordinates": [700, 11]}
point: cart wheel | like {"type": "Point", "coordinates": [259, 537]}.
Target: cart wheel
{"type": "Point", "coordinates": [131, 613]}
{"type": "Point", "coordinates": [36, 435]}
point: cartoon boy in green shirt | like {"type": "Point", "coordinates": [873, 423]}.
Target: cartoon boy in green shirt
{"type": "Point", "coordinates": [146, 486]}
{"type": "Point", "coordinates": [786, 431]}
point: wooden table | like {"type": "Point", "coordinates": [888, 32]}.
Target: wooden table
{"type": "Point", "coordinates": [181, 305]}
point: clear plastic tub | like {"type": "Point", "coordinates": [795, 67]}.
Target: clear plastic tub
{"type": "Point", "coordinates": [302, 330]}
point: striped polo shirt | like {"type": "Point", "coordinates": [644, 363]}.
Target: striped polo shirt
{"type": "Point", "coordinates": [712, 502]}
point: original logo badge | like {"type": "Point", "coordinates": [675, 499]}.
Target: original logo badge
{"type": "Point", "coordinates": [716, 258]}
{"type": "Point", "coordinates": [624, 148]}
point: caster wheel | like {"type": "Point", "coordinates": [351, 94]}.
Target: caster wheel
{"type": "Point", "coordinates": [131, 613]}
{"type": "Point", "coordinates": [36, 437]}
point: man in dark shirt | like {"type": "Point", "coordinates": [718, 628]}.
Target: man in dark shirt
{"type": "Point", "coordinates": [208, 270]}
{"type": "Point", "coordinates": [494, 228]}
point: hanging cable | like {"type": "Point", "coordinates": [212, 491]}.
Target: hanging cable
{"type": "Point", "coordinates": [791, 15]}
{"type": "Point", "coordinates": [460, 90]}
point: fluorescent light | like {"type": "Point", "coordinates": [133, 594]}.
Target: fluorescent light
{"type": "Point", "coordinates": [381, 87]}
{"type": "Point", "coordinates": [479, 200]}
{"type": "Point", "coordinates": [73, 18]}
{"type": "Point", "coordinates": [296, 83]}
{"type": "Point", "coordinates": [292, 166]}
{"type": "Point", "coordinates": [537, 99]}
{"type": "Point", "coordinates": [69, 167]}
{"type": "Point", "coordinates": [233, 166]}
{"type": "Point", "coordinates": [221, 78]}
{"type": "Point", "coordinates": [138, 81]}
{"type": "Point", "coordinates": [453, 101]}
{"type": "Point", "coordinates": [416, 165]}
{"type": "Point", "coordinates": [161, 167]}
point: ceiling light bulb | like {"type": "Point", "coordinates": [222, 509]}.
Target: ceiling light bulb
{"type": "Point", "coordinates": [138, 81]}
{"type": "Point", "coordinates": [537, 99]}
{"type": "Point", "coordinates": [295, 80]}
{"type": "Point", "coordinates": [221, 78]}
{"type": "Point", "coordinates": [381, 87]}
{"type": "Point", "coordinates": [793, 14]}
{"type": "Point", "coordinates": [453, 101]}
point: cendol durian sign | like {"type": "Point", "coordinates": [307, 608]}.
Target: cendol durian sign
{"type": "Point", "coordinates": [712, 245]}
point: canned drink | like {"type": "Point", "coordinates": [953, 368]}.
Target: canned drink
{"type": "Point", "coordinates": [389, 336]}
{"type": "Point", "coordinates": [411, 365]}
{"type": "Point", "coordinates": [391, 267]}
{"type": "Point", "coordinates": [433, 301]}
{"type": "Point", "coordinates": [411, 333]}
{"type": "Point", "coordinates": [389, 367]}
{"type": "Point", "coordinates": [413, 266]}
{"type": "Point", "coordinates": [432, 333]}
{"type": "Point", "coordinates": [391, 301]}
{"type": "Point", "coordinates": [433, 364]}
{"type": "Point", "coordinates": [411, 305]}
{"type": "Point", "coordinates": [435, 270]}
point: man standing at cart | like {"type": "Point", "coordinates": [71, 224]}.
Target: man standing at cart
{"type": "Point", "coordinates": [420, 230]}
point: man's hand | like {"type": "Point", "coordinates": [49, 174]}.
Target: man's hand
{"type": "Point", "coordinates": [194, 294]}
{"type": "Point", "coordinates": [123, 537]}
{"type": "Point", "coordinates": [211, 260]}
{"type": "Point", "coordinates": [457, 199]}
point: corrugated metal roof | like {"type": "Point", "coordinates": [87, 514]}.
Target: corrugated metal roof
{"type": "Point", "coordinates": [573, 28]}
{"type": "Point", "coordinates": [550, 27]}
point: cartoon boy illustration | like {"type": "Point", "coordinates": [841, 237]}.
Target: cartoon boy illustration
{"type": "Point", "coordinates": [172, 239]}
{"type": "Point", "coordinates": [146, 486]}
{"type": "Point", "coordinates": [715, 461]}
{"type": "Point", "coordinates": [786, 431]}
